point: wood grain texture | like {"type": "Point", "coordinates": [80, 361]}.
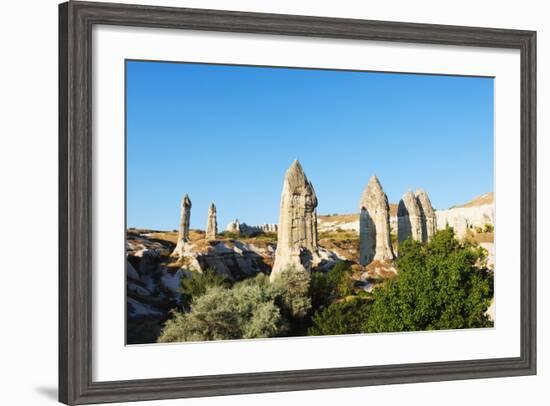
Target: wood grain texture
{"type": "Point", "coordinates": [75, 202]}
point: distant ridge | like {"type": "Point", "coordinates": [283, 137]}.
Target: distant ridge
{"type": "Point", "coordinates": [487, 198]}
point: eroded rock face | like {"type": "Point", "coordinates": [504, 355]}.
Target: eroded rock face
{"type": "Point", "coordinates": [297, 230]}
{"type": "Point", "coordinates": [409, 223]}
{"type": "Point", "coordinates": [183, 233]}
{"type": "Point", "coordinates": [374, 224]}
{"type": "Point", "coordinates": [463, 219]}
{"type": "Point", "coordinates": [212, 224]}
{"type": "Point", "coordinates": [427, 215]}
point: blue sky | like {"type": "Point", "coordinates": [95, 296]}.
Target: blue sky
{"type": "Point", "coordinates": [227, 134]}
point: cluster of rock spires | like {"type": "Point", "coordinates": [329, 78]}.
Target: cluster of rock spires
{"type": "Point", "coordinates": [415, 220]}
{"type": "Point", "coordinates": [415, 217]}
{"type": "Point", "coordinates": [297, 244]}
{"type": "Point", "coordinates": [185, 218]}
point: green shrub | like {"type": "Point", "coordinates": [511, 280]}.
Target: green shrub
{"type": "Point", "coordinates": [336, 283]}
{"type": "Point", "coordinates": [440, 285]}
{"type": "Point", "coordinates": [197, 284]}
{"type": "Point", "coordinates": [293, 284]}
{"type": "Point", "coordinates": [348, 317]}
{"type": "Point", "coordinates": [248, 310]}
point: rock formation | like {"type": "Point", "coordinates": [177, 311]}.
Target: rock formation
{"type": "Point", "coordinates": [234, 226]}
{"type": "Point", "coordinates": [374, 225]}
{"type": "Point", "coordinates": [183, 234]}
{"type": "Point", "coordinates": [212, 224]}
{"type": "Point", "coordinates": [427, 215]}
{"type": "Point", "coordinates": [268, 228]}
{"type": "Point", "coordinates": [245, 230]}
{"type": "Point", "coordinates": [409, 223]}
{"type": "Point", "coordinates": [297, 231]}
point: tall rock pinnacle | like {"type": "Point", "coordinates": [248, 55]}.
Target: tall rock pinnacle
{"type": "Point", "coordinates": [212, 224]}
{"type": "Point", "coordinates": [427, 215]}
{"type": "Point", "coordinates": [409, 223]}
{"type": "Point", "coordinates": [297, 230]}
{"type": "Point", "coordinates": [374, 225]}
{"type": "Point", "coordinates": [183, 234]}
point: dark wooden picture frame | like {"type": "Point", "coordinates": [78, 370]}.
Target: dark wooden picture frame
{"type": "Point", "coordinates": [76, 20]}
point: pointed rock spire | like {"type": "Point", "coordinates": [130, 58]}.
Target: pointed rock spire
{"type": "Point", "coordinates": [212, 223]}
{"type": "Point", "coordinates": [183, 234]}
{"type": "Point", "coordinates": [297, 229]}
{"type": "Point", "coordinates": [374, 224]}
{"type": "Point", "coordinates": [427, 215]}
{"type": "Point", "coordinates": [408, 218]}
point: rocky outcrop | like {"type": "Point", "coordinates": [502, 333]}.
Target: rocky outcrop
{"type": "Point", "coordinates": [427, 215]}
{"type": "Point", "coordinates": [408, 218]}
{"type": "Point", "coordinates": [297, 231]}
{"type": "Point", "coordinates": [212, 223]}
{"type": "Point", "coordinates": [183, 234]}
{"type": "Point", "coordinates": [268, 228]}
{"type": "Point", "coordinates": [245, 230]}
{"type": "Point", "coordinates": [234, 226]}
{"type": "Point", "coordinates": [462, 219]}
{"type": "Point", "coordinates": [374, 224]}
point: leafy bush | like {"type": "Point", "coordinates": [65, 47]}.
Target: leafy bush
{"type": "Point", "coordinates": [248, 310]}
{"type": "Point", "coordinates": [197, 284]}
{"type": "Point", "coordinates": [441, 285]}
{"type": "Point", "coordinates": [348, 317]}
{"type": "Point", "coordinates": [293, 284]}
{"type": "Point", "coordinates": [336, 283]}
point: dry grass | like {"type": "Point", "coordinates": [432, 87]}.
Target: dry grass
{"type": "Point", "coordinates": [472, 236]}
{"type": "Point", "coordinates": [345, 243]}
{"type": "Point", "coordinates": [340, 218]}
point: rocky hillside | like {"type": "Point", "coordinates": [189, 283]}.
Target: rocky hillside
{"type": "Point", "coordinates": [154, 276]}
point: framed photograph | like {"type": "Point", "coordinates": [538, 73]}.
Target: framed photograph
{"type": "Point", "coordinates": [259, 202]}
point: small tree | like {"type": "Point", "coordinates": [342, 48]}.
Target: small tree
{"type": "Point", "coordinates": [441, 285]}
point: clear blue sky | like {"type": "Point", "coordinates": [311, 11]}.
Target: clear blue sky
{"type": "Point", "coordinates": [227, 134]}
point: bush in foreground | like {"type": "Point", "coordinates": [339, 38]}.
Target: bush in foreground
{"type": "Point", "coordinates": [347, 317]}
{"type": "Point", "coordinates": [248, 310]}
{"type": "Point", "coordinates": [441, 285]}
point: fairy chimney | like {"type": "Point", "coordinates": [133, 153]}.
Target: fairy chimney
{"type": "Point", "coordinates": [297, 229]}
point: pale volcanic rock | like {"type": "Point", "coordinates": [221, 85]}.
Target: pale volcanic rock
{"type": "Point", "coordinates": [427, 215]}
{"type": "Point", "coordinates": [409, 223]}
{"type": "Point", "coordinates": [212, 223]}
{"type": "Point", "coordinates": [297, 230]}
{"type": "Point", "coordinates": [374, 224]}
{"type": "Point", "coordinates": [183, 233]}
{"type": "Point", "coordinates": [461, 219]}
